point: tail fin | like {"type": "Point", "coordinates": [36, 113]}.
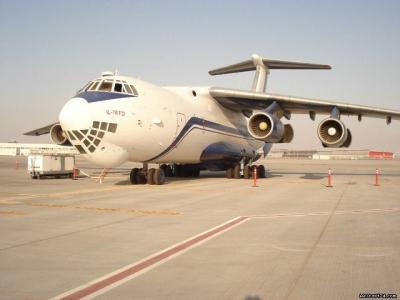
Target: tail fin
{"type": "Point", "coordinates": [262, 66]}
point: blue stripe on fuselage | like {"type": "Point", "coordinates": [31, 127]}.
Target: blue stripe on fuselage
{"type": "Point", "coordinates": [206, 125]}
{"type": "Point", "coordinates": [93, 96]}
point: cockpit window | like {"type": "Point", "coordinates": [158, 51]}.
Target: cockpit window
{"type": "Point", "coordinates": [94, 86]}
{"type": "Point", "coordinates": [128, 89]}
{"type": "Point", "coordinates": [110, 85]}
{"type": "Point", "coordinates": [105, 86]}
{"type": "Point", "coordinates": [85, 87]}
{"type": "Point", "coordinates": [118, 87]}
{"type": "Point", "coordinates": [134, 91]}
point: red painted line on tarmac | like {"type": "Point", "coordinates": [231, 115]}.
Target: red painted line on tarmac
{"type": "Point", "coordinates": [147, 263]}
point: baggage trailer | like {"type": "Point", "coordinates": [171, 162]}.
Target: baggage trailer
{"type": "Point", "coordinates": [50, 165]}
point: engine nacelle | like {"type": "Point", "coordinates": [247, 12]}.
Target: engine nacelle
{"type": "Point", "coordinates": [58, 136]}
{"type": "Point", "coordinates": [288, 134]}
{"type": "Point", "coordinates": [268, 128]}
{"type": "Point", "coordinates": [333, 133]}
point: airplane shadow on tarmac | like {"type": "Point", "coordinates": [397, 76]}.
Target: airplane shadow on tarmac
{"type": "Point", "coordinates": [319, 175]}
{"type": "Point", "coordinates": [208, 175]}
{"type": "Point", "coordinates": [203, 176]}
{"type": "Point", "coordinates": [180, 179]}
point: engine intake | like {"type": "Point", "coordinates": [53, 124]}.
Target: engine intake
{"type": "Point", "coordinates": [58, 136]}
{"type": "Point", "coordinates": [333, 133]}
{"type": "Point", "coordinates": [268, 128]}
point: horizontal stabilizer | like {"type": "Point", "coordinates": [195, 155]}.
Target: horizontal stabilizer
{"type": "Point", "coordinates": [41, 131]}
{"type": "Point", "coordinates": [251, 65]}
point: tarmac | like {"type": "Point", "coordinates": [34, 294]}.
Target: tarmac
{"type": "Point", "coordinates": [292, 237]}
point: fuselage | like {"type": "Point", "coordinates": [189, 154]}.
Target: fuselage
{"type": "Point", "coordinates": [115, 119]}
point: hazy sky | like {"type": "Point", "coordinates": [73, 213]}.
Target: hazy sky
{"type": "Point", "coordinates": [49, 49]}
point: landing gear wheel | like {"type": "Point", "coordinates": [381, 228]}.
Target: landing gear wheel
{"type": "Point", "coordinates": [164, 167]}
{"type": "Point", "coordinates": [260, 171]}
{"type": "Point", "coordinates": [168, 171]}
{"type": "Point", "coordinates": [132, 176]}
{"type": "Point", "coordinates": [189, 171]}
{"type": "Point", "coordinates": [229, 173]}
{"type": "Point", "coordinates": [159, 176]}
{"type": "Point", "coordinates": [247, 172]}
{"type": "Point", "coordinates": [150, 176]}
{"type": "Point", "coordinates": [140, 177]}
{"type": "Point", "coordinates": [196, 173]}
{"type": "Point", "coordinates": [236, 171]}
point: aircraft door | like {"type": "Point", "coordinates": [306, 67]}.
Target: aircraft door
{"type": "Point", "coordinates": [180, 123]}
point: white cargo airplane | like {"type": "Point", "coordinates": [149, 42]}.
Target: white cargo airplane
{"type": "Point", "coordinates": [114, 119]}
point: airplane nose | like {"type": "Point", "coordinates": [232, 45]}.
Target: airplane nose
{"type": "Point", "coordinates": [75, 115]}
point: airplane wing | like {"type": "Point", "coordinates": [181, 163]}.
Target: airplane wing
{"type": "Point", "coordinates": [240, 100]}
{"type": "Point", "coordinates": [40, 131]}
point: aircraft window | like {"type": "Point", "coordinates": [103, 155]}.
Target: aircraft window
{"type": "Point", "coordinates": [103, 126]}
{"type": "Point", "coordinates": [80, 149]}
{"type": "Point", "coordinates": [86, 142]}
{"type": "Point", "coordinates": [85, 87]}
{"type": "Point", "coordinates": [96, 142]}
{"type": "Point", "coordinates": [88, 86]}
{"type": "Point", "coordinates": [128, 89]}
{"type": "Point", "coordinates": [95, 124]}
{"type": "Point", "coordinates": [92, 148]}
{"type": "Point", "coordinates": [94, 86]}
{"type": "Point", "coordinates": [133, 90]}
{"type": "Point", "coordinates": [100, 134]}
{"type": "Point", "coordinates": [70, 136]}
{"type": "Point", "coordinates": [112, 127]}
{"type": "Point", "coordinates": [105, 86]}
{"type": "Point", "coordinates": [78, 134]}
{"type": "Point", "coordinates": [118, 87]}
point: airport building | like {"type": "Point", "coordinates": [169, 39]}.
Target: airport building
{"type": "Point", "coordinates": [333, 154]}
{"type": "Point", "coordinates": [16, 149]}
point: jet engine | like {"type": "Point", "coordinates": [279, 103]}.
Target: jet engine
{"type": "Point", "coordinates": [58, 136]}
{"type": "Point", "coordinates": [333, 133]}
{"type": "Point", "coordinates": [268, 128]}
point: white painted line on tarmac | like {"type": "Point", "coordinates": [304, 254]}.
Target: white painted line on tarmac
{"type": "Point", "coordinates": [114, 279]}
{"type": "Point", "coordinates": [325, 213]}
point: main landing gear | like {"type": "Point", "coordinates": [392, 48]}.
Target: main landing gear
{"type": "Point", "coordinates": [145, 175]}
{"type": "Point", "coordinates": [246, 172]}
{"type": "Point", "coordinates": [157, 175]}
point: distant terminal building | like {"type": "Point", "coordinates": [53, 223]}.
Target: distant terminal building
{"type": "Point", "coordinates": [16, 149]}
{"type": "Point", "coordinates": [333, 154]}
